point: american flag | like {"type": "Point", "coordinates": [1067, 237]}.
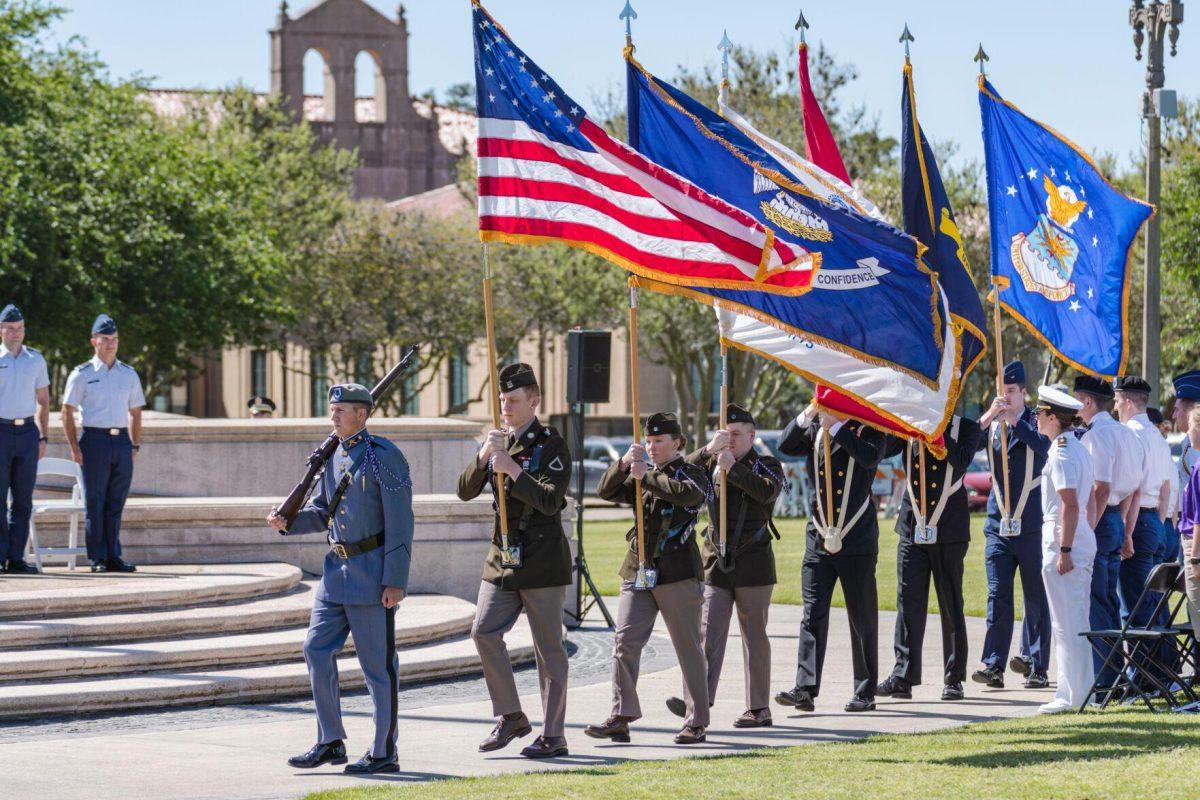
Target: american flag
{"type": "Point", "coordinates": [547, 172]}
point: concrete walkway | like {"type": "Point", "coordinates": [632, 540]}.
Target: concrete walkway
{"type": "Point", "coordinates": [246, 759]}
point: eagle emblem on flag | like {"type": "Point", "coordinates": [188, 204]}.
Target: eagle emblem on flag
{"type": "Point", "coordinates": [1045, 256]}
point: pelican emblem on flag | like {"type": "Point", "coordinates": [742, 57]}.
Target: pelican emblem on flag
{"type": "Point", "coordinates": [789, 214]}
{"type": "Point", "coordinates": [1045, 257]}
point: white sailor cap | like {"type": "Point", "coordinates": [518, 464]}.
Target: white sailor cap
{"type": "Point", "coordinates": [1052, 398]}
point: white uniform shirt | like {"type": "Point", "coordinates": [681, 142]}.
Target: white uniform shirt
{"type": "Point", "coordinates": [104, 396]}
{"type": "Point", "coordinates": [1158, 465]}
{"type": "Point", "coordinates": [1117, 457]}
{"type": "Point", "coordinates": [1183, 473]}
{"type": "Point", "coordinates": [1069, 466]}
{"type": "Point", "coordinates": [20, 378]}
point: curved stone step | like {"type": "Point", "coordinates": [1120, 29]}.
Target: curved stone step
{"type": "Point", "coordinates": [285, 610]}
{"type": "Point", "coordinates": [423, 619]}
{"type": "Point", "coordinates": [161, 689]}
{"type": "Point", "coordinates": [62, 593]}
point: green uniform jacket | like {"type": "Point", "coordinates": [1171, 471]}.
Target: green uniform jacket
{"type": "Point", "coordinates": [754, 483]}
{"type": "Point", "coordinates": [535, 502]}
{"type": "Point", "coordinates": [671, 498]}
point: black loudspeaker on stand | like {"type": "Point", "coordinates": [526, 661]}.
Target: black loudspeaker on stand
{"type": "Point", "coordinates": [588, 357]}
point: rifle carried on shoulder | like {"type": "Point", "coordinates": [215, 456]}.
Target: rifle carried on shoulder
{"type": "Point", "coordinates": [291, 506]}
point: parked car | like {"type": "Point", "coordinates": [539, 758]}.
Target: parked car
{"type": "Point", "coordinates": [598, 454]}
{"type": "Point", "coordinates": [978, 482]}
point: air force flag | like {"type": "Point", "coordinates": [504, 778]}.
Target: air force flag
{"type": "Point", "coordinates": [1061, 236]}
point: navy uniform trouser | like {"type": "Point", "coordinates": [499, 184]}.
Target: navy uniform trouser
{"type": "Point", "coordinates": [1004, 557]}
{"type": "Point", "coordinates": [107, 474]}
{"type": "Point", "coordinates": [374, 630]}
{"type": "Point", "coordinates": [18, 473]}
{"type": "Point", "coordinates": [1105, 611]}
{"type": "Point", "coordinates": [1148, 552]}
{"type": "Point", "coordinates": [917, 565]}
{"type": "Point", "coordinates": [820, 574]}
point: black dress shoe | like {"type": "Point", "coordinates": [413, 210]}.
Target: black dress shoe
{"type": "Point", "coordinates": [860, 703]}
{"type": "Point", "coordinates": [690, 734]}
{"type": "Point", "coordinates": [893, 686]}
{"type": "Point", "coordinates": [20, 567]}
{"type": "Point", "coordinates": [796, 698]}
{"type": "Point", "coordinates": [99, 566]}
{"type": "Point", "coordinates": [1021, 666]}
{"type": "Point", "coordinates": [546, 747]}
{"type": "Point", "coordinates": [615, 728]}
{"type": "Point", "coordinates": [676, 706]}
{"type": "Point", "coordinates": [1037, 680]}
{"type": "Point", "coordinates": [329, 753]}
{"type": "Point", "coordinates": [992, 677]}
{"type": "Point", "coordinates": [754, 718]}
{"type": "Point", "coordinates": [117, 565]}
{"type": "Point", "coordinates": [370, 765]}
{"type": "Point", "coordinates": [952, 691]}
{"type": "Point", "coordinates": [507, 729]}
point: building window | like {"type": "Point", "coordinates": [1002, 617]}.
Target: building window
{"type": "Point", "coordinates": [258, 373]}
{"type": "Point", "coordinates": [409, 399]}
{"type": "Point", "coordinates": [364, 370]}
{"type": "Point", "coordinates": [458, 381]}
{"type": "Point", "coordinates": [320, 384]}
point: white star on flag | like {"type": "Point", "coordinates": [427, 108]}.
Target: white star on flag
{"type": "Point", "coordinates": [1012, 191]}
{"type": "Point", "coordinates": [1067, 175]}
{"type": "Point", "coordinates": [1032, 173]}
{"type": "Point", "coordinates": [522, 59]}
{"type": "Point", "coordinates": [1075, 305]}
{"type": "Point", "coordinates": [1089, 213]}
{"type": "Point", "coordinates": [1052, 175]}
{"type": "Point", "coordinates": [492, 98]}
{"type": "Point", "coordinates": [1091, 293]}
{"type": "Point", "coordinates": [1095, 241]}
{"type": "Point", "coordinates": [489, 71]}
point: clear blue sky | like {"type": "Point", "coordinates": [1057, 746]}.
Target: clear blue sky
{"type": "Point", "coordinates": [1067, 63]}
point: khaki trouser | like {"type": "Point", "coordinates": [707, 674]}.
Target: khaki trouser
{"type": "Point", "coordinates": [496, 612]}
{"type": "Point", "coordinates": [753, 604]}
{"type": "Point", "coordinates": [681, 604]}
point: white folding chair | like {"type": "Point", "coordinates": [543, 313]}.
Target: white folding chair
{"type": "Point", "coordinates": [75, 507]}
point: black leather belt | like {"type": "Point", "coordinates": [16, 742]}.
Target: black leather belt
{"type": "Point", "coordinates": [1116, 508]}
{"type": "Point", "coordinates": [109, 431]}
{"type": "Point", "coordinates": [344, 550]}
{"type": "Point", "coordinates": [17, 423]}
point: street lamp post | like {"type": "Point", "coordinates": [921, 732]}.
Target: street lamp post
{"type": "Point", "coordinates": [1157, 20]}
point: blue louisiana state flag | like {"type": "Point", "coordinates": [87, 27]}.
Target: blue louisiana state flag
{"type": "Point", "coordinates": [929, 217]}
{"type": "Point", "coordinates": [872, 297]}
{"type": "Point", "coordinates": [1061, 238]}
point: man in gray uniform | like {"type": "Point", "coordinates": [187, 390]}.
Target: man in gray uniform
{"type": "Point", "coordinates": [24, 390]}
{"type": "Point", "coordinates": [364, 507]}
{"type": "Point", "coordinates": [532, 464]}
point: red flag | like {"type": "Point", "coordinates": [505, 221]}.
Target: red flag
{"type": "Point", "coordinates": [823, 151]}
{"type": "Point", "coordinates": [818, 139]}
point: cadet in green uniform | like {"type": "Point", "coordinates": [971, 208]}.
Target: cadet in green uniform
{"type": "Point", "coordinates": [533, 464]}
{"type": "Point", "coordinates": [673, 492]}
{"type": "Point", "coordinates": [742, 573]}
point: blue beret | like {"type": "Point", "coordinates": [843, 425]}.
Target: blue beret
{"type": "Point", "coordinates": [350, 393]}
{"type": "Point", "coordinates": [1187, 385]}
{"type": "Point", "coordinates": [11, 314]}
{"type": "Point", "coordinates": [104, 324]}
{"type": "Point", "coordinates": [1014, 372]}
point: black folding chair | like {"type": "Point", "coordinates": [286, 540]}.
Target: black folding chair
{"type": "Point", "coordinates": [1146, 656]}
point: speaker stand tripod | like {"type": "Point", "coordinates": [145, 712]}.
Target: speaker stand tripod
{"type": "Point", "coordinates": [584, 586]}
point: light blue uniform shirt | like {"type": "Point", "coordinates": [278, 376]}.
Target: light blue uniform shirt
{"type": "Point", "coordinates": [104, 396]}
{"type": "Point", "coordinates": [21, 376]}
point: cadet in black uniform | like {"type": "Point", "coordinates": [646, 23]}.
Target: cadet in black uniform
{"type": "Point", "coordinates": [742, 574]}
{"type": "Point", "coordinates": [842, 544]}
{"type": "Point", "coordinates": [934, 526]}
{"type": "Point", "coordinates": [673, 492]}
{"type": "Point", "coordinates": [534, 465]}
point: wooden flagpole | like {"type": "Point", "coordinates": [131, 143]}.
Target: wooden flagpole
{"type": "Point", "coordinates": [489, 321]}
{"type": "Point", "coordinates": [998, 332]}
{"type": "Point", "coordinates": [721, 539]}
{"type": "Point", "coordinates": [637, 425]}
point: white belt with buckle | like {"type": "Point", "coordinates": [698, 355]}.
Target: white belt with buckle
{"type": "Point", "coordinates": [19, 422]}
{"type": "Point", "coordinates": [113, 431]}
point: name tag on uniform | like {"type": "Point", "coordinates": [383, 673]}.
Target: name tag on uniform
{"type": "Point", "coordinates": [1010, 527]}
{"type": "Point", "coordinates": [925, 534]}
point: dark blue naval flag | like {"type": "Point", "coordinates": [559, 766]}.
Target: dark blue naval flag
{"type": "Point", "coordinates": [872, 296]}
{"type": "Point", "coordinates": [1061, 236]}
{"type": "Point", "coordinates": [929, 217]}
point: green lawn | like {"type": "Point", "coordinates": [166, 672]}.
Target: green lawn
{"type": "Point", "coordinates": [604, 546]}
{"type": "Point", "coordinates": [1115, 755]}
